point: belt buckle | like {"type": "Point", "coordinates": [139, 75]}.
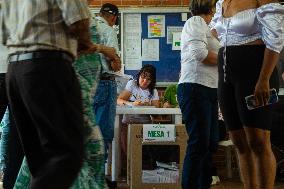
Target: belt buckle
{"type": "Point", "coordinates": [13, 58]}
{"type": "Point", "coordinates": [21, 57]}
{"type": "Point", "coordinates": [107, 77]}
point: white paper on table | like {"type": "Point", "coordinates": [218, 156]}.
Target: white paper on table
{"type": "Point", "coordinates": [160, 176]}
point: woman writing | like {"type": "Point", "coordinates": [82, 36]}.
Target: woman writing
{"type": "Point", "coordinates": [139, 92]}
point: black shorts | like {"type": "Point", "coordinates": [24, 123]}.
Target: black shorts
{"type": "Point", "coordinates": [241, 74]}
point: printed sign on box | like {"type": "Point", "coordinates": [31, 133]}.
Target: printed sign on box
{"type": "Point", "coordinates": [159, 133]}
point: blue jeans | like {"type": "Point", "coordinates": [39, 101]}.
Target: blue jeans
{"type": "Point", "coordinates": [105, 109]}
{"type": "Point", "coordinates": [199, 109]}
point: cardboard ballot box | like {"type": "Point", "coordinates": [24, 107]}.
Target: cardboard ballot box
{"type": "Point", "coordinates": [155, 164]}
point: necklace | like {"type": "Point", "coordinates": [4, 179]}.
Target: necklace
{"type": "Point", "coordinates": [227, 7]}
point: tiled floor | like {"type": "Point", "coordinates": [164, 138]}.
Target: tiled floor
{"type": "Point", "coordinates": [238, 185]}
{"type": "Point", "coordinates": [226, 183]}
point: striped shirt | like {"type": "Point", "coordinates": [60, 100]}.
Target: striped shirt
{"type": "Point", "coordinates": [30, 25]}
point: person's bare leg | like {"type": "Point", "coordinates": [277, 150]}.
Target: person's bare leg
{"type": "Point", "coordinates": [245, 157]}
{"type": "Point", "coordinates": [259, 142]}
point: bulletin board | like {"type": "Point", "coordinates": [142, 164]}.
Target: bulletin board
{"type": "Point", "coordinates": [168, 64]}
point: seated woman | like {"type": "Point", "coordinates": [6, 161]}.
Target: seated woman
{"type": "Point", "coordinates": [139, 92]}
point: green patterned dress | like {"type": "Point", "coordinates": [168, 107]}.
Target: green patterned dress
{"type": "Point", "coordinates": [91, 176]}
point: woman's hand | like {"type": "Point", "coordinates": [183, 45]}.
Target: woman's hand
{"type": "Point", "coordinates": [167, 105]}
{"type": "Point", "coordinates": [262, 87]}
{"type": "Point", "coordinates": [261, 92]}
{"type": "Point", "coordinates": [142, 103]}
{"type": "Point", "coordinates": [137, 103]}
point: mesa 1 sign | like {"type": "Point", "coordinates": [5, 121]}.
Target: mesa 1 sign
{"type": "Point", "coordinates": [159, 133]}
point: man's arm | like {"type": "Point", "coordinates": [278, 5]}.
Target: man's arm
{"type": "Point", "coordinates": [81, 31]}
{"type": "Point", "coordinates": [113, 42]}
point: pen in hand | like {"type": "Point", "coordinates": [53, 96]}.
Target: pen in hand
{"type": "Point", "coordinates": [137, 102]}
{"type": "Point", "coordinates": [134, 96]}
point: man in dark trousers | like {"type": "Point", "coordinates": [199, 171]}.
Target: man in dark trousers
{"type": "Point", "coordinates": [11, 153]}
{"type": "Point", "coordinates": [43, 38]}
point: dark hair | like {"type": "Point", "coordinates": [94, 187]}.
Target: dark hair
{"type": "Point", "coordinates": [199, 7]}
{"type": "Point", "coordinates": [148, 68]}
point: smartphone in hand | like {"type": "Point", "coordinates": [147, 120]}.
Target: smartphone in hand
{"type": "Point", "coordinates": [250, 100]}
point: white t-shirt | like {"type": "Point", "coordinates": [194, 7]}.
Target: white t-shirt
{"type": "Point", "coordinates": [139, 94]}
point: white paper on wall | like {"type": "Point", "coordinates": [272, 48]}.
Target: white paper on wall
{"type": "Point", "coordinates": [170, 31]}
{"type": "Point", "coordinates": [176, 41]}
{"type": "Point", "coordinates": [156, 26]}
{"type": "Point", "coordinates": [150, 50]}
{"type": "Point", "coordinates": [132, 42]}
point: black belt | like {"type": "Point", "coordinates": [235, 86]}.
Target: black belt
{"type": "Point", "coordinates": [107, 77]}
{"type": "Point", "coordinates": [40, 54]}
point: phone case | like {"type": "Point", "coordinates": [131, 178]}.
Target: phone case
{"type": "Point", "coordinates": [250, 100]}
